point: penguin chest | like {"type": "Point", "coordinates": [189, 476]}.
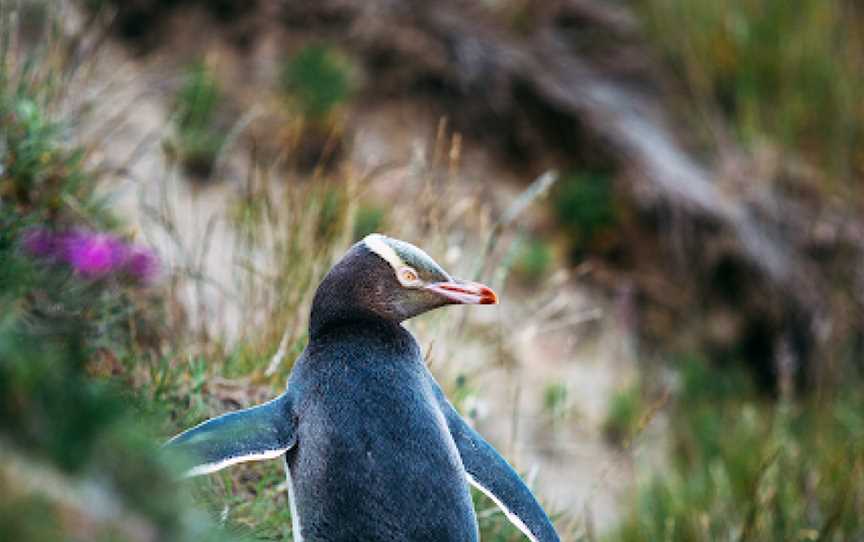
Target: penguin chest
{"type": "Point", "coordinates": [378, 463]}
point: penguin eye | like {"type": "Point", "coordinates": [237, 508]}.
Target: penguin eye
{"type": "Point", "coordinates": [408, 277]}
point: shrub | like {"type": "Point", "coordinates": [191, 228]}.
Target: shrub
{"type": "Point", "coordinates": [62, 429]}
{"type": "Point", "coordinates": [625, 414]}
{"type": "Point", "coordinates": [198, 138]}
{"type": "Point", "coordinates": [585, 207]}
{"type": "Point", "coordinates": [533, 260]}
{"type": "Point", "coordinates": [743, 468]}
{"type": "Point", "coordinates": [78, 456]}
{"type": "Point", "coordinates": [368, 220]}
{"type": "Point", "coordinates": [788, 74]}
{"type": "Point", "coordinates": [39, 176]}
{"type": "Point", "coordinates": [316, 80]}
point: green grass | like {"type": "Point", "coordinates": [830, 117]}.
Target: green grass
{"type": "Point", "coordinates": [316, 86]}
{"type": "Point", "coordinates": [742, 467]}
{"type": "Point", "coordinates": [369, 219]}
{"type": "Point", "coordinates": [585, 207]}
{"type": "Point", "coordinates": [74, 434]}
{"type": "Point", "coordinates": [786, 74]}
{"type": "Point", "coordinates": [317, 81]}
{"type": "Point", "coordinates": [556, 402]}
{"type": "Point", "coordinates": [533, 261]}
{"type": "Point", "coordinates": [198, 137]}
{"type": "Point", "coordinates": [40, 177]}
{"type": "Point", "coordinates": [94, 375]}
{"type": "Point", "coordinates": [625, 415]}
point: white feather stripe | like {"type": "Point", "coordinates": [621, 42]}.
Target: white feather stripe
{"type": "Point", "coordinates": [296, 532]}
{"type": "Point", "coordinates": [207, 468]}
{"type": "Point", "coordinates": [514, 519]}
{"type": "Point", "coordinates": [376, 243]}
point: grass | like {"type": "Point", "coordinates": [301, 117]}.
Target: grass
{"type": "Point", "coordinates": [74, 436]}
{"type": "Point", "coordinates": [198, 136]}
{"type": "Point", "coordinates": [316, 87]}
{"type": "Point", "coordinates": [287, 236]}
{"type": "Point", "coordinates": [778, 74]}
{"type": "Point", "coordinates": [585, 206]}
{"type": "Point", "coordinates": [626, 412]}
{"type": "Point", "coordinates": [39, 175]}
{"type": "Point", "coordinates": [316, 80]}
{"type": "Point", "coordinates": [746, 468]}
{"type": "Point", "coordinates": [94, 374]}
{"type": "Point", "coordinates": [556, 402]}
{"type": "Point", "coordinates": [533, 261]}
{"type": "Point", "coordinates": [369, 219]}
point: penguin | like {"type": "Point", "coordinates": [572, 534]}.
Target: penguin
{"type": "Point", "coordinates": [372, 448]}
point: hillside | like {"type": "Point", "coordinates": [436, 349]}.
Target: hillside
{"type": "Point", "coordinates": [665, 194]}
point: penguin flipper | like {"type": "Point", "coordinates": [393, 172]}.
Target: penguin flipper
{"type": "Point", "coordinates": [261, 432]}
{"type": "Point", "coordinates": [491, 474]}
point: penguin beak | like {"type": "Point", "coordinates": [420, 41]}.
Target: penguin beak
{"type": "Point", "coordinates": [464, 292]}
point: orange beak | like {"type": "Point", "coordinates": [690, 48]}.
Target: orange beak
{"type": "Point", "coordinates": [464, 292]}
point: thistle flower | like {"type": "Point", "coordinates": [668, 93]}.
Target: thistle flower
{"type": "Point", "coordinates": [41, 242]}
{"type": "Point", "coordinates": [93, 255]}
{"type": "Point", "coordinates": [142, 264]}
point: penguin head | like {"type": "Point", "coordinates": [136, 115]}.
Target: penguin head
{"type": "Point", "coordinates": [385, 278]}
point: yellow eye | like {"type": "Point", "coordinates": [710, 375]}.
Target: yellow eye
{"type": "Point", "coordinates": [408, 276]}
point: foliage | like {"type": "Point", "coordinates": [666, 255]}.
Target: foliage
{"type": "Point", "coordinates": [199, 138]}
{"type": "Point", "coordinates": [368, 220]}
{"type": "Point", "coordinates": [585, 207]}
{"type": "Point", "coordinates": [556, 402]}
{"type": "Point", "coordinates": [743, 468]}
{"type": "Point", "coordinates": [533, 260]}
{"type": "Point", "coordinates": [78, 458]}
{"type": "Point", "coordinates": [623, 420]}
{"type": "Point", "coordinates": [790, 74]}
{"type": "Point", "coordinates": [316, 78]}
{"type": "Point", "coordinates": [75, 430]}
{"type": "Point", "coordinates": [39, 175]}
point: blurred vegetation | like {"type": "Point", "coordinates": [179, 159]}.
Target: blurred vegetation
{"type": "Point", "coordinates": [77, 444]}
{"type": "Point", "coordinates": [39, 175]}
{"type": "Point", "coordinates": [742, 467]}
{"type": "Point", "coordinates": [369, 219]}
{"type": "Point", "coordinates": [533, 260]}
{"type": "Point", "coordinates": [86, 435]}
{"type": "Point", "coordinates": [584, 203]}
{"type": "Point", "coordinates": [316, 86]}
{"type": "Point", "coordinates": [789, 75]}
{"type": "Point", "coordinates": [625, 415]}
{"type": "Point", "coordinates": [198, 137]}
{"type": "Point", "coordinates": [316, 79]}
{"type": "Point", "coordinates": [86, 390]}
{"type": "Point", "coordinates": [556, 402]}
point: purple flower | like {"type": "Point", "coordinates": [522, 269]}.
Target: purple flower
{"type": "Point", "coordinates": [41, 242]}
{"type": "Point", "coordinates": [94, 255]}
{"type": "Point", "coordinates": [142, 264]}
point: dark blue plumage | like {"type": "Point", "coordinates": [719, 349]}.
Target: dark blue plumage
{"type": "Point", "coordinates": [261, 432]}
{"type": "Point", "coordinates": [377, 461]}
{"type": "Point", "coordinates": [373, 449]}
